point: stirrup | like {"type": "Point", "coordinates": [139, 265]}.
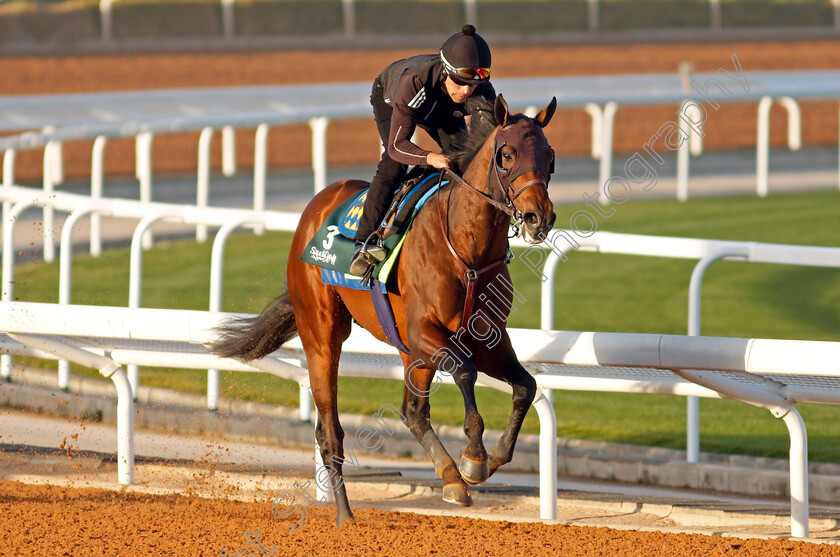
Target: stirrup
{"type": "Point", "coordinates": [360, 263]}
{"type": "Point", "coordinates": [374, 249]}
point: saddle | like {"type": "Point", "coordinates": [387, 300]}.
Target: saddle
{"type": "Point", "coordinates": [420, 183]}
{"type": "Point", "coordinates": [331, 248]}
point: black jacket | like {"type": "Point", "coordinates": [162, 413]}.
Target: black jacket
{"type": "Point", "coordinates": [415, 90]}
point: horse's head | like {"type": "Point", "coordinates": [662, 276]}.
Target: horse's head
{"type": "Point", "coordinates": [522, 165]}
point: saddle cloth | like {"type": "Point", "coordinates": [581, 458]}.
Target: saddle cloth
{"type": "Point", "coordinates": [332, 246]}
{"type": "Point", "coordinates": [407, 201]}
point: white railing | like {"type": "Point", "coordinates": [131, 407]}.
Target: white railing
{"type": "Point", "coordinates": [706, 252]}
{"type": "Point", "coordinates": [696, 361]}
{"type": "Point", "coordinates": [602, 148]}
{"type": "Point", "coordinates": [147, 213]}
{"type": "Point", "coordinates": [223, 109]}
{"type": "Point", "coordinates": [543, 261]}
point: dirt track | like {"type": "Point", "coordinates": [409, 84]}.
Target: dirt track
{"type": "Point", "coordinates": [48, 520]}
{"type": "Point", "coordinates": [40, 520]}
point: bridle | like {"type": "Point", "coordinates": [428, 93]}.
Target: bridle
{"type": "Point", "coordinates": [502, 195]}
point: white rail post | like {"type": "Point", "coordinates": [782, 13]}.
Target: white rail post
{"type": "Point", "coordinates": [597, 116]}
{"type": "Point", "coordinates": [227, 19]}
{"type": "Point", "coordinates": [836, 4]}
{"type": "Point", "coordinates": [97, 180]}
{"type": "Point", "coordinates": [695, 296]}
{"type": "Point", "coordinates": [228, 151]}
{"type": "Point", "coordinates": [49, 213]}
{"type": "Point", "coordinates": [547, 291]}
{"type": "Point", "coordinates": [203, 185]}
{"type": "Point", "coordinates": [605, 169]}
{"type": "Point", "coordinates": [349, 11]}
{"type": "Point", "coordinates": [593, 17]}
{"type": "Point", "coordinates": [794, 122]}
{"type": "Point", "coordinates": [106, 20]}
{"type": "Point", "coordinates": [471, 12]}
{"type": "Point", "coordinates": [714, 13]}
{"type": "Point", "coordinates": [762, 146]}
{"type": "Point", "coordinates": [143, 146]}
{"type": "Point", "coordinates": [125, 405]}
{"type": "Point", "coordinates": [217, 269]}
{"type": "Point", "coordinates": [683, 157]}
{"type": "Point", "coordinates": [135, 282]}
{"type": "Point", "coordinates": [65, 279]}
{"type": "Point", "coordinates": [57, 163]}
{"type": "Point", "coordinates": [57, 157]}
{"type": "Point", "coordinates": [319, 151]}
{"type": "Point", "coordinates": [8, 177]}
{"type": "Point", "coordinates": [7, 279]}
{"type": "Point", "coordinates": [799, 512]}
{"type": "Point", "coordinates": [8, 181]}
{"type": "Point", "coordinates": [304, 404]}
{"type": "Point", "coordinates": [548, 458]}
{"type": "Point", "coordinates": [260, 170]}
{"type": "Point", "coordinates": [763, 138]}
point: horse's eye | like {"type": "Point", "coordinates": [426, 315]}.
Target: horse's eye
{"type": "Point", "coordinates": [507, 156]}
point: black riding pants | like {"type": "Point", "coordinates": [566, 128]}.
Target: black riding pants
{"type": "Point", "coordinates": [389, 173]}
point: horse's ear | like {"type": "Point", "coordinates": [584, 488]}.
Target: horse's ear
{"type": "Point", "coordinates": [500, 110]}
{"type": "Point", "coordinates": [544, 117]}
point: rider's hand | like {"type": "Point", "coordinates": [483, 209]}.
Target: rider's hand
{"type": "Point", "coordinates": [436, 160]}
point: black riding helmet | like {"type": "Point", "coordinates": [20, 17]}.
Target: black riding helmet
{"type": "Point", "coordinates": [466, 57]}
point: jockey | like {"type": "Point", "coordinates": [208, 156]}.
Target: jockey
{"type": "Point", "coordinates": [427, 91]}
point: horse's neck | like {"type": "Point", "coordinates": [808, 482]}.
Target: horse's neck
{"type": "Point", "coordinates": [478, 230]}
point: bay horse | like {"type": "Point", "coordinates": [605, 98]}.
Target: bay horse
{"type": "Point", "coordinates": [457, 246]}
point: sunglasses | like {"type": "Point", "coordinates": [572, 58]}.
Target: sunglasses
{"type": "Point", "coordinates": [469, 74]}
{"type": "Point", "coordinates": [464, 76]}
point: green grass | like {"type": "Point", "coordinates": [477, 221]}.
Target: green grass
{"type": "Point", "coordinates": [593, 292]}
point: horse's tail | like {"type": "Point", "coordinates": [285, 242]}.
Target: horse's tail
{"type": "Point", "coordinates": [250, 338]}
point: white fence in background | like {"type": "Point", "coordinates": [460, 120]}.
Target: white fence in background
{"type": "Point", "coordinates": [142, 115]}
{"type": "Point", "coordinates": [764, 373]}
{"type": "Point", "coordinates": [471, 15]}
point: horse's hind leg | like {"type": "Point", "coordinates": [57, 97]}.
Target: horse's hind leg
{"type": "Point", "coordinates": [330, 436]}
{"type": "Point", "coordinates": [415, 407]}
{"type": "Point", "coordinates": [321, 334]}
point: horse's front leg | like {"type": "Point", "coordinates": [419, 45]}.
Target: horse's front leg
{"type": "Point", "coordinates": [473, 465]}
{"type": "Point", "coordinates": [503, 365]}
{"type": "Point", "coordinates": [437, 351]}
{"type": "Point", "coordinates": [415, 407]}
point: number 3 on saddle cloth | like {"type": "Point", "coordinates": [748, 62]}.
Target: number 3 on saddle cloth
{"type": "Point", "coordinates": [332, 246]}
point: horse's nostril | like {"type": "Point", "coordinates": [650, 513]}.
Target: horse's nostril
{"type": "Point", "coordinates": [532, 220]}
{"type": "Point", "coordinates": [551, 220]}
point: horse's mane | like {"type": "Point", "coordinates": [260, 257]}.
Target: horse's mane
{"type": "Point", "coordinates": [467, 143]}
{"type": "Point", "coordinates": [470, 140]}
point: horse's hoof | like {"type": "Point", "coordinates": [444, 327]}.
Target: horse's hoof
{"type": "Point", "coordinates": [457, 493]}
{"type": "Point", "coordinates": [342, 518]}
{"type": "Point", "coordinates": [473, 471]}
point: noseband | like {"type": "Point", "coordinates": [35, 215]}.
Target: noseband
{"type": "Point", "coordinates": [500, 179]}
{"type": "Point", "coordinates": [527, 149]}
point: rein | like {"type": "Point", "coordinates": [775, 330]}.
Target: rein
{"type": "Point", "coordinates": [505, 178]}
{"type": "Point", "coordinates": [470, 275]}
